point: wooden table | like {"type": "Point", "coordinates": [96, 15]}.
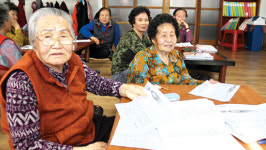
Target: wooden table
{"type": "Point", "coordinates": [78, 46]}
{"type": "Point", "coordinates": [84, 45]}
{"type": "Point", "coordinates": [244, 95]}
{"type": "Point", "coordinates": [218, 64]}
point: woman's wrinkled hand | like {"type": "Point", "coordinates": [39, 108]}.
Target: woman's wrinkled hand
{"type": "Point", "coordinates": [95, 39]}
{"type": "Point", "coordinates": [183, 23]}
{"type": "Point", "coordinates": [131, 91]}
{"type": "Point", "coordinates": [93, 146]}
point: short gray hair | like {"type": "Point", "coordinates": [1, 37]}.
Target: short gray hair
{"type": "Point", "coordinates": [4, 16]}
{"type": "Point", "coordinates": [45, 12]}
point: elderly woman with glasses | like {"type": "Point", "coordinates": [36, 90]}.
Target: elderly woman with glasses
{"type": "Point", "coordinates": [43, 97]}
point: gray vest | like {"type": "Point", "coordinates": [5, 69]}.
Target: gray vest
{"type": "Point", "coordinates": [106, 39]}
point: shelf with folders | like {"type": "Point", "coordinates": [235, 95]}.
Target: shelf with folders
{"type": "Point", "coordinates": [238, 23]}
{"type": "Point", "coordinates": [239, 9]}
{"type": "Point", "coordinates": [224, 15]}
{"type": "Point", "coordinates": [230, 24]}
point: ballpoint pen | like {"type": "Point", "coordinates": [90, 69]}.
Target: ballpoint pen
{"type": "Point", "coordinates": [164, 88]}
{"type": "Point", "coordinates": [160, 87]}
{"type": "Point", "coordinates": [262, 141]}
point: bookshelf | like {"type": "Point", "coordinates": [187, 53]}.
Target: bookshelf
{"type": "Point", "coordinates": [225, 17]}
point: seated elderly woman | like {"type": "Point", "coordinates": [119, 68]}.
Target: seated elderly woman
{"type": "Point", "coordinates": [131, 43]}
{"type": "Point", "coordinates": [161, 63]}
{"type": "Point", "coordinates": [185, 34]}
{"type": "Point", "coordinates": [103, 31]}
{"type": "Point", "coordinates": [49, 109]}
{"type": "Point", "coordinates": [16, 33]}
{"type": "Point", "coordinates": [10, 52]}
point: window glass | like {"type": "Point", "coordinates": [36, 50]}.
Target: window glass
{"type": "Point", "coordinates": [209, 16]}
{"type": "Point", "coordinates": [150, 3]}
{"type": "Point", "coordinates": [120, 2]}
{"type": "Point", "coordinates": [210, 35]}
{"type": "Point", "coordinates": [187, 3]}
{"type": "Point", "coordinates": [210, 4]}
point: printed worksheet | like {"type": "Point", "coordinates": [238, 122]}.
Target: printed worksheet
{"type": "Point", "coordinates": [219, 91]}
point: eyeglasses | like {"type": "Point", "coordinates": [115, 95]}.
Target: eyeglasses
{"type": "Point", "coordinates": [48, 39]}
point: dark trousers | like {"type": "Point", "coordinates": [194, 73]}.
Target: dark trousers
{"type": "Point", "coordinates": [99, 52]}
{"type": "Point", "coordinates": [103, 127]}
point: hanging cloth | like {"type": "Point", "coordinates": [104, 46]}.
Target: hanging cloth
{"type": "Point", "coordinates": [90, 16]}
{"type": "Point", "coordinates": [84, 18]}
{"type": "Point", "coordinates": [21, 14]}
{"type": "Point", "coordinates": [51, 4]}
{"type": "Point", "coordinates": [41, 6]}
{"type": "Point", "coordinates": [63, 6]}
{"type": "Point", "coordinates": [75, 20]}
{"type": "Point", "coordinates": [56, 5]}
{"type": "Point", "coordinates": [79, 14]}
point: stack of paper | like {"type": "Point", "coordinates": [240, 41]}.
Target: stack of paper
{"type": "Point", "coordinates": [246, 122]}
{"type": "Point", "coordinates": [198, 55]}
{"type": "Point", "coordinates": [206, 48]}
{"type": "Point", "coordinates": [153, 122]}
{"type": "Point", "coordinates": [186, 44]}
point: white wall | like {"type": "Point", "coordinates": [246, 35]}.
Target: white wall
{"type": "Point", "coordinates": [96, 5]}
{"type": "Point", "coordinates": [262, 12]}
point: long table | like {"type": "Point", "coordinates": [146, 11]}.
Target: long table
{"type": "Point", "coordinates": [244, 95]}
{"type": "Point", "coordinates": [218, 64]}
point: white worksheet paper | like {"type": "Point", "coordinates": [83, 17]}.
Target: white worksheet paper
{"type": "Point", "coordinates": [219, 91]}
{"type": "Point", "coordinates": [246, 122]}
{"type": "Point", "coordinates": [197, 125]}
{"type": "Point", "coordinates": [140, 118]}
{"type": "Point", "coordinates": [125, 137]}
{"type": "Point", "coordinates": [153, 122]}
